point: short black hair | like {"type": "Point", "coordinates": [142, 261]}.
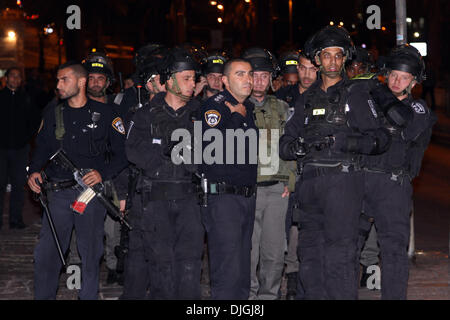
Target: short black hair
{"type": "Point", "coordinates": [11, 69]}
{"type": "Point", "coordinates": [227, 66]}
{"type": "Point", "coordinates": [76, 67]}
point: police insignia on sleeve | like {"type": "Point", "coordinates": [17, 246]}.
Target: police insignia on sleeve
{"type": "Point", "coordinates": [418, 108]}
{"type": "Point", "coordinates": [118, 125]}
{"type": "Point", "coordinates": [212, 118]}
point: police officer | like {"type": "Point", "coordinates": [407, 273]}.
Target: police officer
{"type": "Point", "coordinates": [146, 76]}
{"type": "Point", "coordinates": [307, 75]}
{"type": "Point", "coordinates": [231, 172]}
{"type": "Point", "coordinates": [92, 136]}
{"type": "Point", "coordinates": [269, 234]}
{"type": "Point", "coordinates": [288, 66]}
{"type": "Point", "coordinates": [388, 189]}
{"type": "Point", "coordinates": [166, 243]}
{"type": "Point", "coordinates": [331, 126]}
{"type": "Point", "coordinates": [359, 64]}
{"type": "Point", "coordinates": [100, 78]}
{"type": "Point", "coordinates": [211, 79]}
{"type": "Point", "coordinates": [358, 68]}
{"type": "Point", "coordinates": [21, 119]}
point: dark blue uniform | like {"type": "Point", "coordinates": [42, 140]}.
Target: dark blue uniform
{"type": "Point", "coordinates": [86, 143]}
{"type": "Point", "coordinates": [388, 194]}
{"type": "Point", "coordinates": [290, 94]}
{"type": "Point", "coordinates": [166, 243]}
{"type": "Point", "coordinates": [230, 214]}
{"type": "Point", "coordinates": [330, 189]}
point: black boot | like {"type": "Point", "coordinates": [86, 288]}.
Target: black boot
{"type": "Point", "coordinates": [291, 285]}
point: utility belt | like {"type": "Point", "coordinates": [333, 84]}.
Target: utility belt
{"type": "Point", "coordinates": [55, 185]}
{"type": "Point", "coordinates": [396, 175]}
{"type": "Point", "coordinates": [267, 183]}
{"type": "Point", "coordinates": [310, 172]}
{"type": "Point", "coordinates": [154, 190]}
{"type": "Point", "coordinates": [223, 188]}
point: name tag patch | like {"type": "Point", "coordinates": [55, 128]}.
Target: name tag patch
{"type": "Point", "coordinates": [319, 112]}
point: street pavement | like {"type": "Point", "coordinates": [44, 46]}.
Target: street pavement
{"type": "Point", "coordinates": [429, 272]}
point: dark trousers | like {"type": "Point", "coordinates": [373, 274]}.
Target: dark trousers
{"type": "Point", "coordinates": [330, 207]}
{"type": "Point", "coordinates": [165, 251]}
{"type": "Point", "coordinates": [89, 233]}
{"type": "Point", "coordinates": [13, 164]}
{"type": "Point", "coordinates": [228, 221]}
{"type": "Point", "coordinates": [389, 203]}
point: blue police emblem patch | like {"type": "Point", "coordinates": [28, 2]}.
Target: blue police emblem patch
{"type": "Point", "coordinates": [212, 118]}
{"type": "Point", "coordinates": [118, 125]}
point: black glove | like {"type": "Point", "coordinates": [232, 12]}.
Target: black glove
{"type": "Point", "coordinates": [339, 142]}
{"type": "Point", "coordinates": [298, 147]}
{"type": "Point", "coordinates": [394, 110]}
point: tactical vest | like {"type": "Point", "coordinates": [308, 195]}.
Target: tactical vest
{"type": "Point", "coordinates": [325, 116]}
{"type": "Point", "coordinates": [163, 123]}
{"type": "Point", "coordinates": [402, 157]}
{"type": "Point", "coordinates": [272, 115]}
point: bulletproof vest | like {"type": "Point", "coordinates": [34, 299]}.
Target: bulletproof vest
{"type": "Point", "coordinates": [402, 157]}
{"type": "Point", "coordinates": [326, 115]}
{"type": "Point", "coordinates": [272, 115]}
{"type": "Point", "coordinates": [163, 123]}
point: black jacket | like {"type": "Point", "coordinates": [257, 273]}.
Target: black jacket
{"type": "Point", "coordinates": [85, 142]}
{"type": "Point", "coordinates": [21, 119]}
{"type": "Point", "coordinates": [216, 115]}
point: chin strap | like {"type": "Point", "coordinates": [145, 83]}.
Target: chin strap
{"type": "Point", "coordinates": [331, 74]}
{"type": "Point", "coordinates": [177, 90]}
{"type": "Point", "coordinates": [408, 89]}
{"type": "Point", "coordinates": [213, 91]}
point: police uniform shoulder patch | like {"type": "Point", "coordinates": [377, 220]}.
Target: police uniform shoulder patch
{"type": "Point", "coordinates": [117, 124]}
{"type": "Point", "coordinates": [418, 107]}
{"type": "Point", "coordinates": [212, 118]}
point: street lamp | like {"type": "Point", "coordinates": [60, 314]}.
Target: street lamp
{"type": "Point", "coordinates": [11, 35]}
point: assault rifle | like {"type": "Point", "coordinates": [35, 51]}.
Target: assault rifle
{"type": "Point", "coordinates": [87, 193]}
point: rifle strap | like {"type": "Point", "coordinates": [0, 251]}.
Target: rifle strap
{"type": "Point", "coordinates": [59, 130]}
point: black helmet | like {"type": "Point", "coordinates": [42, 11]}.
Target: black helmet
{"type": "Point", "coordinates": [362, 55]}
{"type": "Point", "coordinates": [330, 36]}
{"type": "Point", "coordinates": [261, 60]}
{"type": "Point", "coordinates": [214, 63]}
{"type": "Point", "coordinates": [99, 63]}
{"type": "Point", "coordinates": [177, 60]}
{"type": "Point", "coordinates": [408, 59]}
{"type": "Point", "coordinates": [146, 53]}
{"type": "Point", "coordinates": [148, 60]}
{"type": "Point", "coordinates": [289, 62]}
